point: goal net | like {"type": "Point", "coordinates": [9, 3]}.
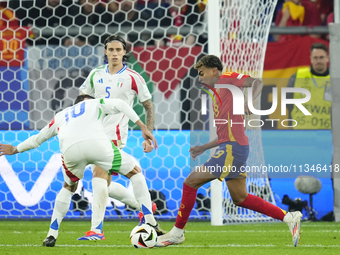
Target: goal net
{"type": "Point", "coordinates": [244, 35]}
{"type": "Point", "coordinates": [46, 55]}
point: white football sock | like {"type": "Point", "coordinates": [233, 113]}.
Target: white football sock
{"type": "Point", "coordinates": [141, 191]}
{"type": "Point", "coordinates": [61, 206]}
{"type": "Point", "coordinates": [100, 196]}
{"type": "Point", "coordinates": [122, 194]}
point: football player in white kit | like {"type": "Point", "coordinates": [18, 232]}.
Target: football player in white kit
{"type": "Point", "coordinates": [116, 80]}
{"type": "Point", "coordinates": [82, 146]}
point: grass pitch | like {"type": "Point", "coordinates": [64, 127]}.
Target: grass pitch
{"type": "Point", "coordinates": [26, 237]}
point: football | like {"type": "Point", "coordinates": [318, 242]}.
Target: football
{"type": "Point", "coordinates": [143, 236]}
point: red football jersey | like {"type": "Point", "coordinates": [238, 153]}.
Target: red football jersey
{"type": "Point", "coordinates": [227, 132]}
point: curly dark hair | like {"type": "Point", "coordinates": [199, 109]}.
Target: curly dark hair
{"type": "Point", "coordinates": [111, 38]}
{"type": "Point", "coordinates": [210, 61]}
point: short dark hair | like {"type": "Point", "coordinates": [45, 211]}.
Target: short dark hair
{"type": "Point", "coordinates": [82, 98]}
{"type": "Point", "coordinates": [319, 46]}
{"type": "Point", "coordinates": [210, 61]}
{"type": "Point", "coordinates": [111, 38]}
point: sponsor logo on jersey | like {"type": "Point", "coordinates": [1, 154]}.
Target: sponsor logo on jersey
{"type": "Point", "coordinates": [100, 80]}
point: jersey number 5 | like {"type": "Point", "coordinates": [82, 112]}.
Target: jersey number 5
{"type": "Point", "coordinates": [108, 92]}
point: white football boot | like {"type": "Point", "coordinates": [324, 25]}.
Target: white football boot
{"type": "Point", "coordinates": [173, 237]}
{"type": "Point", "coordinates": [293, 219]}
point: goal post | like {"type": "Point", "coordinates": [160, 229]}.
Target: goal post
{"type": "Point", "coordinates": [334, 67]}
{"type": "Point", "coordinates": [214, 49]}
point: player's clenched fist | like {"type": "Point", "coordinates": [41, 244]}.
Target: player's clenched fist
{"type": "Point", "coordinates": [195, 151]}
{"type": "Point", "coordinates": [147, 146]}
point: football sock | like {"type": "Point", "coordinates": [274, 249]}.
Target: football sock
{"type": "Point", "coordinates": [259, 205]}
{"type": "Point", "coordinates": [187, 203]}
{"type": "Point", "coordinates": [61, 206]}
{"type": "Point", "coordinates": [141, 191]}
{"type": "Point", "coordinates": [100, 196]}
{"type": "Point", "coordinates": [122, 194]}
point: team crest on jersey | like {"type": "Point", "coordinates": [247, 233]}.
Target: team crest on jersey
{"type": "Point", "coordinates": [120, 82]}
{"type": "Point", "coordinates": [228, 73]}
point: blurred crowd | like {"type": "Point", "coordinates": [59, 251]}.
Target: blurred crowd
{"type": "Point", "coordinates": [139, 14]}
{"type": "Point", "coordinates": [290, 13]}
{"type": "Point", "coordinates": [114, 13]}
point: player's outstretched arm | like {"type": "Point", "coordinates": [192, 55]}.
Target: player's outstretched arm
{"type": "Point", "coordinates": [7, 149]}
{"type": "Point", "coordinates": [32, 142]}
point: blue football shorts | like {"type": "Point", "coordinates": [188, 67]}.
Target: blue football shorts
{"type": "Point", "coordinates": [229, 161]}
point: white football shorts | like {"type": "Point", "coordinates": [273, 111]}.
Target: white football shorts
{"type": "Point", "coordinates": [102, 153]}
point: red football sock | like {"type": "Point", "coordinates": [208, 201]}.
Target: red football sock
{"type": "Point", "coordinates": [259, 205]}
{"type": "Point", "coordinates": [187, 203]}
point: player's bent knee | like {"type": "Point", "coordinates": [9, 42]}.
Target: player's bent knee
{"type": "Point", "coordinates": [71, 188]}
{"type": "Point", "coordinates": [199, 177]}
{"type": "Point", "coordinates": [190, 182]}
{"type": "Point", "coordinates": [135, 170]}
{"type": "Point", "coordinates": [193, 182]}
{"type": "Point", "coordinates": [237, 202]}
{"type": "Point", "coordinates": [100, 173]}
{"type": "Point", "coordinates": [239, 198]}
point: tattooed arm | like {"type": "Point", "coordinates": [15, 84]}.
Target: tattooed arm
{"type": "Point", "coordinates": [150, 115]}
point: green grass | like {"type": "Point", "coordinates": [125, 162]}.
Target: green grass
{"type": "Point", "coordinates": [25, 237]}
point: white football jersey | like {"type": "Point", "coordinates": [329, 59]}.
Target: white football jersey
{"type": "Point", "coordinates": [81, 122]}
{"type": "Point", "coordinates": [126, 84]}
